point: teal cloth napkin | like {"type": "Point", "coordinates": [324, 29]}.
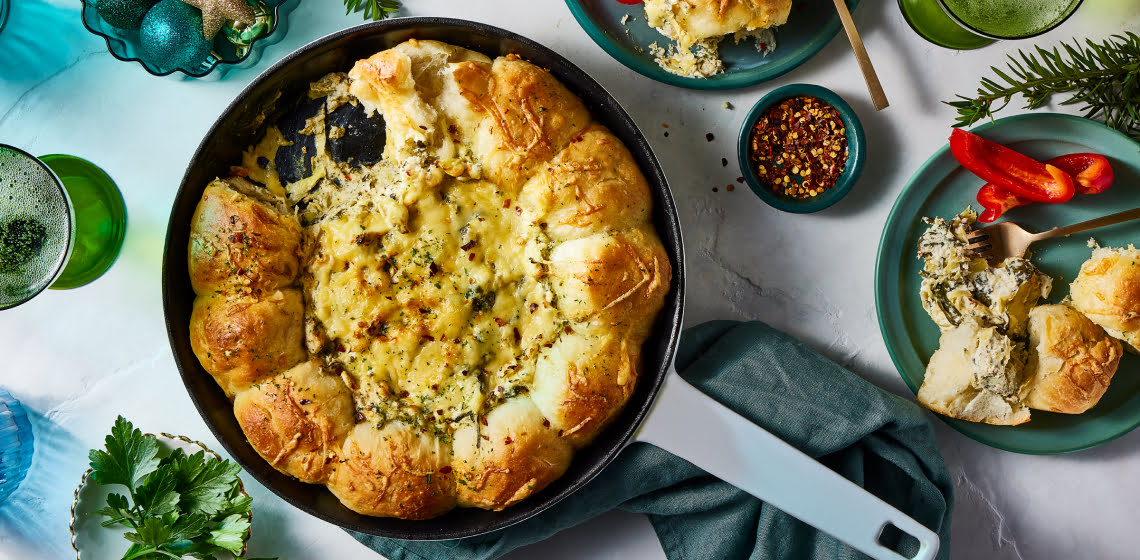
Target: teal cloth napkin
{"type": "Point", "coordinates": [880, 441]}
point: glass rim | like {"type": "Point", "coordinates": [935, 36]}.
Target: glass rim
{"type": "Point", "coordinates": [976, 31]}
{"type": "Point", "coordinates": [70, 226]}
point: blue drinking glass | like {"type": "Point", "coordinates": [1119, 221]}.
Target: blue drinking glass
{"type": "Point", "coordinates": [15, 444]}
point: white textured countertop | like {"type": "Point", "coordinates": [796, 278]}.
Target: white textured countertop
{"type": "Point", "coordinates": [78, 358]}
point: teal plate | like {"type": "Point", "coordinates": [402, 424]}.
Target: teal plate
{"type": "Point", "coordinates": [811, 25]}
{"type": "Point", "coordinates": [942, 188]}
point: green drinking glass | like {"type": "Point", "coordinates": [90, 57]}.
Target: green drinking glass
{"type": "Point", "coordinates": [62, 223]}
{"type": "Point", "coordinates": [969, 24]}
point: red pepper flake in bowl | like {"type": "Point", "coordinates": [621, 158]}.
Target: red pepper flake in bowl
{"type": "Point", "coordinates": [799, 147]}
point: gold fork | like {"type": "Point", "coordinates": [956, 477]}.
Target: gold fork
{"type": "Point", "coordinates": [1007, 239]}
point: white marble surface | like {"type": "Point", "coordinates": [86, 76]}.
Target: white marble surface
{"type": "Point", "coordinates": [77, 358]}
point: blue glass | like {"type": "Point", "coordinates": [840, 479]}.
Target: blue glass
{"type": "Point", "coordinates": [15, 444]}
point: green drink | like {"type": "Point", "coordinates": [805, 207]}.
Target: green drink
{"type": "Point", "coordinates": [62, 223]}
{"type": "Point", "coordinates": [969, 24]}
{"type": "Point", "coordinates": [1010, 19]}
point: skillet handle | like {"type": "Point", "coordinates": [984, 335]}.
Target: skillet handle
{"type": "Point", "coordinates": [754, 460]}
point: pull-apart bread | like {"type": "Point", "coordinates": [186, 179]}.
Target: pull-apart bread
{"type": "Point", "coordinates": [444, 327]}
{"type": "Point", "coordinates": [1107, 291]}
{"type": "Point", "coordinates": [1000, 353]}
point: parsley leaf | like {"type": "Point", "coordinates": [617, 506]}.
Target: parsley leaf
{"type": "Point", "coordinates": [184, 505]}
{"type": "Point", "coordinates": [130, 456]}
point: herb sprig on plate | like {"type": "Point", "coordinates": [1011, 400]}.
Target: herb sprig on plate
{"type": "Point", "coordinates": [375, 10]}
{"type": "Point", "coordinates": [1102, 78]}
{"type": "Point", "coordinates": [180, 505]}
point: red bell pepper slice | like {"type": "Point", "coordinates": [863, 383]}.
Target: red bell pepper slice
{"type": "Point", "coordinates": [1092, 172]}
{"type": "Point", "coordinates": [997, 202]}
{"type": "Point", "coordinates": [1011, 170]}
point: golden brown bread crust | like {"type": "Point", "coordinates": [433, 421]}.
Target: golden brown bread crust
{"type": "Point", "coordinates": [242, 339]}
{"type": "Point", "coordinates": [298, 420]}
{"type": "Point", "coordinates": [511, 456]}
{"type": "Point", "coordinates": [1073, 363]}
{"type": "Point", "coordinates": [598, 268]}
{"type": "Point", "coordinates": [1107, 291]}
{"type": "Point", "coordinates": [394, 472]}
{"type": "Point", "coordinates": [238, 243]}
{"type": "Point", "coordinates": [591, 186]}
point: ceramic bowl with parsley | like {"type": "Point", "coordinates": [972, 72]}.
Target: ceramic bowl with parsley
{"type": "Point", "coordinates": [159, 496]}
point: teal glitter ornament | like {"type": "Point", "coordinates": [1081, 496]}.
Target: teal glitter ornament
{"type": "Point", "coordinates": [123, 14]}
{"type": "Point", "coordinates": [171, 37]}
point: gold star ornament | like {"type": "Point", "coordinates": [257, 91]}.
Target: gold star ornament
{"type": "Point", "coordinates": [216, 12]}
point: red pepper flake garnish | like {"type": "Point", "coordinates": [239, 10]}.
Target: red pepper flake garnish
{"type": "Point", "coordinates": [429, 337]}
{"type": "Point", "coordinates": [730, 187]}
{"type": "Point", "coordinates": [339, 347]}
{"type": "Point", "coordinates": [547, 345]}
{"type": "Point", "coordinates": [724, 162]}
{"type": "Point", "coordinates": [799, 147]}
{"type": "Point", "coordinates": [483, 420]}
{"type": "Point", "coordinates": [666, 133]}
{"type": "Point", "coordinates": [500, 322]}
{"type": "Point", "coordinates": [518, 335]}
{"type": "Point", "coordinates": [709, 136]}
{"type": "Point", "coordinates": [404, 394]}
{"type": "Point", "coordinates": [451, 128]}
{"type": "Point", "coordinates": [446, 469]}
{"type": "Point", "coordinates": [545, 423]}
{"type": "Point", "coordinates": [305, 401]}
{"type": "Point", "coordinates": [518, 211]}
{"type": "Point", "coordinates": [507, 203]}
{"type": "Point", "coordinates": [233, 220]}
{"type": "Point", "coordinates": [471, 257]}
{"type": "Point", "coordinates": [359, 417]}
{"type": "Point", "coordinates": [507, 440]}
{"type": "Point", "coordinates": [740, 179]}
{"type": "Point", "coordinates": [239, 172]}
{"type": "Point", "coordinates": [467, 246]}
{"type": "Point", "coordinates": [568, 331]}
{"type": "Point", "coordinates": [439, 411]}
{"type": "Point", "coordinates": [435, 387]}
{"type": "Point", "coordinates": [238, 237]}
{"type": "Point", "coordinates": [716, 189]}
{"type": "Point", "coordinates": [533, 307]}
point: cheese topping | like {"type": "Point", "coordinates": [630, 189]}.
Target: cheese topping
{"type": "Point", "coordinates": [427, 289]}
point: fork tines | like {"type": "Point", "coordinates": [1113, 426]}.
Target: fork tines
{"type": "Point", "coordinates": [978, 243]}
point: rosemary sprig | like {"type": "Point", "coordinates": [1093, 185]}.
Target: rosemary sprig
{"type": "Point", "coordinates": [1103, 78]}
{"type": "Point", "coordinates": [375, 10]}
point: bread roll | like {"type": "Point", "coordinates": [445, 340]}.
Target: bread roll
{"type": "Point", "coordinates": [241, 243]}
{"type": "Point", "coordinates": [298, 420]}
{"type": "Point", "coordinates": [1107, 291]}
{"type": "Point", "coordinates": [515, 454]}
{"type": "Point", "coordinates": [394, 471]}
{"type": "Point", "coordinates": [243, 339]}
{"type": "Point", "coordinates": [1072, 362]}
{"type": "Point", "coordinates": [976, 375]}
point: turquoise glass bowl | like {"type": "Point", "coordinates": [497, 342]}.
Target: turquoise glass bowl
{"type": "Point", "coordinates": [124, 44]}
{"type": "Point", "coordinates": [15, 444]}
{"type": "Point", "coordinates": [856, 150]}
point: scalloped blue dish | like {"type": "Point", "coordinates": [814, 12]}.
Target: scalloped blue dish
{"type": "Point", "coordinates": [124, 44]}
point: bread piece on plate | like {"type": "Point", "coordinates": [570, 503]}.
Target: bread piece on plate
{"type": "Point", "coordinates": [976, 374]}
{"type": "Point", "coordinates": [298, 420]}
{"type": "Point", "coordinates": [241, 240]}
{"type": "Point", "coordinates": [1107, 291]}
{"type": "Point", "coordinates": [243, 339]}
{"type": "Point", "coordinates": [1072, 362]}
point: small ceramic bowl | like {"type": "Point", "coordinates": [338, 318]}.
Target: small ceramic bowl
{"type": "Point", "coordinates": [92, 541]}
{"type": "Point", "coordinates": [124, 45]}
{"type": "Point", "coordinates": [856, 150]}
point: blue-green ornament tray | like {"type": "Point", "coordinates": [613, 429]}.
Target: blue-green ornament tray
{"type": "Point", "coordinates": [243, 51]}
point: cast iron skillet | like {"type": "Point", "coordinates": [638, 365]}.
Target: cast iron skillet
{"type": "Point", "coordinates": [742, 453]}
{"type": "Point", "coordinates": [274, 93]}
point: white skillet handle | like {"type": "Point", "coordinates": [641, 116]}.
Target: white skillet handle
{"type": "Point", "coordinates": [693, 426]}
